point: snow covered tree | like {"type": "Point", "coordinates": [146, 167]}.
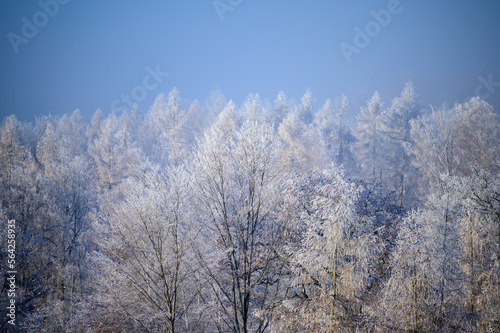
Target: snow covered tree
{"type": "Point", "coordinates": [280, 109]}
{"type": "Point", "coordinates": [212, 106]}
{"type": "Point", "coordinates": [124, 227]}
{"type": "Point", "coordinates": [115, 151]}
{"type": "Point", "coordinates": [435, 148]}
{"type": "Point", "coordinates": [478, 137]}
{"type": "Point", "coordinates": [71, 130]}
{"type": "Point", "coordinates": [69, 201]}
{"type": "Point", "coordinates": [95, 125]}
{"type": "Point", "coordinates": [343, 137]}
{"type": "Point", "coordinates": [195, 122]}
{"type": "Point", "coordinates": [238, 186]}
{"type": "Point", "coordinates": [24, 200]}
{"type": "Point", "coordinates": [406, 302]}
{"type": "Point", "coordinates": [252, 109]}
{"type": "Point", "coordinates": [324, 119]}
{"type": "Point", "coordinates": [330, 263]}
{"type": "Point", "coordinates": [445, 249]}
{"type": "Point", "coordinates": [12, 151]}
{"type": "Point", "coordinates": [481, 236]}
{"type": "Point", "coordinates": [427, 284]}
{"type": "Point", "coordinates": [104, 150]}
{"type": "Point", "coordinates": [397, 128]}
{"type": "Point", "coordinates": [330, 120]}
{"type": "Point", "coordinates": [167, 120]}
{"type": "Point", "coordinates": [306, 108]}
{"type": "Point", "coordinates": [369, 149]}
{"type": "Point", "coordinates": [149, 241]}
{"type": "Point", "coordinates": [226, 124]}
{"type": "Point", "coordinates": [49, 150]}
{"type": "Point", "coordinates": [303, 148]}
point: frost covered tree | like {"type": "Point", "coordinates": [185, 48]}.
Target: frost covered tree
{"type": "Point", "coordinates": [69, 203]}
{"type": "Point", "coordinates": [167, 120]}
{"type": "Point", "coordinates": [104, 151]}
{"type": "Point", "coordinates": [125, 227]}
{"type": "Point", "coordinates": [114, 151]}
{"type": "Point", "coordinates": [252, 108]}
{"type": "Point", "coordinates": [445, 249]}
{"type": "Point", "coordinates": [481, 237]}
{"type": "Point", "coordinates": [49, 150]}
{"type": "Point", "coordinates": [24, 200]}
{"type": "Point", "coordinates": [71, 129]}
{"type": "Point", "coordinates": [212, 106]}
{"type": "Point", "coordinates": [95, 125]}
{"type": "Point", "coordinates": [238, 187]}
{"type": "Point", "coordinates": [343, 137]}
{"type": "Point", "coordinates": [330, 120]}
{"type": "Point", "coordinates": [11, 150]}
{"type": "Point", "coordinates": [427, 283]}
{"type": "Point", "coordinates": [369, 148]}
{"type": "Point", "coordinates": [405, 302]}
{"type": "Point", "coordinates": [324, 119]}
{"type": "Point", "coordinates": [397, 133]}
{"type": "Point", "coordinates": [149, 241]}
{"type": "Point", "coordinates": [306, 108]}
{"type": "Point", "coordinates": [330, 264]}
{"type": "Point", "coordinates": [435, 147]}
{"type": "Point", "coordinates": [280, 109]}
{"type": "Point", "coordinates": [478, 137]}
{"type": "Point", "coordinates": [456, 142]}
{"type": "Point", "coordinates": [227, 124]}
{"type": "Point", "coordinates": [195, 122]}
{"type": "Point", "coordinates": [303, 146]}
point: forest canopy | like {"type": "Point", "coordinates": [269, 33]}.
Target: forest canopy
{"type": "Point", "coordinates": [264, 217]}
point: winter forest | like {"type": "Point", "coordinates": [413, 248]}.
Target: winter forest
{"type": "Point", "coordinates": [266, 217]}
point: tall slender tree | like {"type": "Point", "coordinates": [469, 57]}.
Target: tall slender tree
{"type": "Point", "coordinates": [397, 135]}
{"type": "Point", "coordinates": [369, 149]}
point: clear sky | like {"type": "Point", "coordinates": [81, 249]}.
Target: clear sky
{"type": "Point", "coordinates": [61, 55]}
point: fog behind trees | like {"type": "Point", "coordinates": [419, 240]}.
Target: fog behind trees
{"type": "Point", "coordinates": [262, 217]}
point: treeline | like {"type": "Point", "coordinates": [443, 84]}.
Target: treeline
{"type": "Point", "coordinates": [278, 218]}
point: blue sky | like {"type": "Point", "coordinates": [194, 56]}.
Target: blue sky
{"type": "Point", "coordinates": [90, 54]}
